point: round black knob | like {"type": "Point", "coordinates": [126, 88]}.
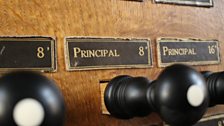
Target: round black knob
{"type": "Point", "coordinates": [179, 95]}
{"type": "Point", "coordinates": [30, 99]}
{"type": "Point", "coordinates": [215, 84]}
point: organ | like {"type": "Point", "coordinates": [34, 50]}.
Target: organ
{"type": "Point", "coordinates": [79, 84]}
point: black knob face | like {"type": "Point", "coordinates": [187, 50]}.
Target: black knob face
{"type": "Point", "coordinates": [181, 95]}
{"type": "Point", "coordinates": [30, 99]}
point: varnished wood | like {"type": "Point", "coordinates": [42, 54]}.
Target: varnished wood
{"type": "Point", "coordinates": [114, 18]}
{"type": "Point", "coordinates": [103, 106]}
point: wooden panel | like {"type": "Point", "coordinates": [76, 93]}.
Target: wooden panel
{"type": "Point", "coordinates": [114, 18]}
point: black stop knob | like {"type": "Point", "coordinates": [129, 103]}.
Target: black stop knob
{"type": "Point", "coordinates": [125, 97]}
{"type": "Point", "coordinates": [30, 99]}
{"type": "Point", "coordinates": [215, 84]}
{"type": "Point", "coordinates": [179, 95]}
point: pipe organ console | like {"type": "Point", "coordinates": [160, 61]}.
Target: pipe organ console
{"type": "Point", "coordinates": [112, 63]}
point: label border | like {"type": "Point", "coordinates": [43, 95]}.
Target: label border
{"type": "Point", "coordinates": [159, 61]}
{"type": "Point", "coordinates": [98, 67]}
{"type": "Point", "coordinates": [52, 40]}
{"type": "Point", "coordinates": [206, 118]}
{"type": "Point", "coordinates": [187, 2]}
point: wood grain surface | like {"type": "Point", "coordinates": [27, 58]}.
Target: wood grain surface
{"type": "Point", "coordinates": [113, 18]}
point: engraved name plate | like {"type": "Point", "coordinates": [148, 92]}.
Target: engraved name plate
{"type": "Point", "coordinates": [106, 53]}
{"type": "Point", "coordinates": [206, 3]}
{"type": "Point", "coordinates": [214, 120]}
{"type": "Point", "coordinates": [188, 51]}
{"type": "Point", "coordinates": [27, 53]}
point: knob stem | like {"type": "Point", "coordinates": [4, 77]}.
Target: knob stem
{"type": "Point", "coordinates": [215, 84]}
{"type": "Point", "coordinates": [125, 97]}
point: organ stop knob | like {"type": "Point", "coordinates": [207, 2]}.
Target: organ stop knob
{"type": "Point", "coordinates": [179, 96]}
{"type": "Point", "coordinates": [215, 83]}
{"type": "Point", "coordinates": [30, 99]}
